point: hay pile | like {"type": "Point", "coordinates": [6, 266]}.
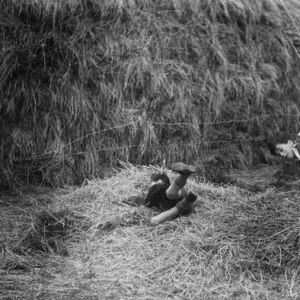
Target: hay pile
{"type": "Point", "coordinates": [237, 244]}
{"type": "Point", "coordinates": [80, 79]}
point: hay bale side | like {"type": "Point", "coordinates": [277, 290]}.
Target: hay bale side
{"type": "Point", "coordinates": [77, 76]}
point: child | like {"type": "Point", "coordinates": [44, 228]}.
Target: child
{"type": "Point", "coordinates": [173, 198]}
{"type": "Point", "coordinates": [285, 147]}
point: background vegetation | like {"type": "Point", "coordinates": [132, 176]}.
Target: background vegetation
{"type": "Point", "coordinates": [85, 83]}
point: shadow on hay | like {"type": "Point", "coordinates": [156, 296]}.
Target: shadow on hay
{"type": "Point", "coordinates": [49, 232]}
{"type": "Point", "coordinates": [135, 201]}
{"type": "Point", "coordinates": [259, 236]}
{"type": "Point", "coordinates": [288, 175]}
{"type": "Point", "coordinates": [127, 219]}
{"type": "Point", "coordinates": [267, 232]}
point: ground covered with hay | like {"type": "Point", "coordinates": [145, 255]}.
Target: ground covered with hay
{"type": "Point", "coordinates": [85, 83]}
{"type": "Point", "coordinates": [96, 242]}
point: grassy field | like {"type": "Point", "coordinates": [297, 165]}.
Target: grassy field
{"type": "Point", "coordinates": [96, 242]}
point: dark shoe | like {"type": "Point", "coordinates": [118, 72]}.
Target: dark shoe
{"type": "Point", "coordinates": [183, 169]}
{"type": "Point", "coordinates": [184, 207]}
{"type": "Point", "coordinates": [191, 197]}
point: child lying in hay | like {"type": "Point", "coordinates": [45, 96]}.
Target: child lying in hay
{"type": "Point", "coordinates": [173, 198]}
{"type": "Point", "coordinates": [285, 147]}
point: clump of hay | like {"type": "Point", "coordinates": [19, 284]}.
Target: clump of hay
{"type": "Point", "coordinates": [49, 231]}
{"type": "Point", "coordinates": [251, 231]}
{"type": "Point", "coordinates": [254, 180]}
{"type": "Point", "coordinates": [266, 231]}
{"type": "Point", "coordinates": [288, 174]}
{"type": "Point", "coordinates": [119, 200]}
{"type": "Point", "coordinates": [200, 85]}
{"type": "Point", "coordinates": [235, 245]}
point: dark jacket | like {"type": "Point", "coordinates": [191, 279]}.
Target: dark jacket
{"type": "Point", "coordinates": [157, 197]}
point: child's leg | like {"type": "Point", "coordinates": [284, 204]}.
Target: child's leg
{"type": "Point", "coordinates": [183, 207]}
{"type": "Point", "coordinates": [176, 190]}
{"type": "Point", "coordinates": [165, 216]}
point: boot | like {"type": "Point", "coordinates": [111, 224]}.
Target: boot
{"type": "Point", "coordinates": [184, 172]}
{"type": "Point", "coordinates": [183, 169]}
{"type": "Point", "coordinates": [191, 197]}
{"type": "Point", "coordinates": [185, 206]}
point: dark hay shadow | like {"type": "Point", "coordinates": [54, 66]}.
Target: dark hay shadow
{"type": "Point", "coordinates": [267, 231]}
{"type": "Point", "coordinates": [127, 219]}
{"type": "Point", "coordinates": [49, 232]}
{"type": "Point", "coordinates": [214, 171]}
{"type": "Point", "coordinates": [254, 180]}
{"type": "Point", "coordinates": [135, 201]}
{"type": "Point", "coordinates": [287, 176]}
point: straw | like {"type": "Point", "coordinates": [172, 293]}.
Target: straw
{"type": "Point", "coordinates": [237, 244]}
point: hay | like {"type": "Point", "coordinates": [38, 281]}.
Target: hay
{"type": "Point", "coordinates": [237, 245]}
{"type": "Point", "coordinates": [85, 83]}
{"type": "Point", "coordinates": [288, 174]}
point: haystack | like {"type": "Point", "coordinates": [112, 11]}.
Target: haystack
{"type": "Point", "coordinates": [81, 78]}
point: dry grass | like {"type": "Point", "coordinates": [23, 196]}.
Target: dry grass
{"type": "Point", "coordinates": [237, 245]}
{"type": "Point", "coordinates": [77, 75]}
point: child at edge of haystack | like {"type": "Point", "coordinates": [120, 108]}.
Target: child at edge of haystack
{"type": "Point", "coordinates": [172, 198]}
